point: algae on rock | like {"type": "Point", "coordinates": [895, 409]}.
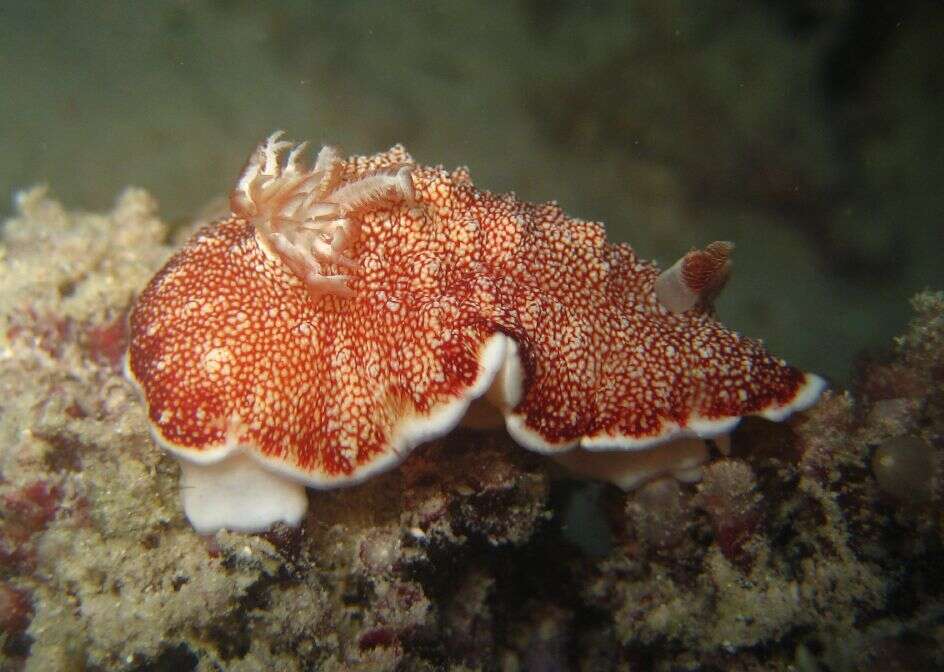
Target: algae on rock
{"type": "Point", "coordinates": [789, 553]}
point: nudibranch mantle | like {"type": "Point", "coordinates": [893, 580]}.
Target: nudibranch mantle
{"type": "Point", "coordinates": [347, 312]}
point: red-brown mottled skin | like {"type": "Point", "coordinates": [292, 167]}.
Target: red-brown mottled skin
{"type": "Point", "coordinates": [225, 331]}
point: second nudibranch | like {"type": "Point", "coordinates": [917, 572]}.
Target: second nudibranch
{"type": "Point", "coordinates": [346, 312]}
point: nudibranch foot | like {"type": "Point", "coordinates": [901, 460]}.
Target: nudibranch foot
{"type": "Point", "coordinates": [310, 219]}
{"type": "Point", "coordinates": [680, 458]}
{"type": "Point", "coordinates": [629, 462]}
{"type": "Point", "coordinates": [239, 494]}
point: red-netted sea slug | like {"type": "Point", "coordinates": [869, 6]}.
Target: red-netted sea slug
{"type": "Point", "coordinates": [346, 312]}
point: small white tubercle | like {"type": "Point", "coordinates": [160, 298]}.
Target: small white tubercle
{"type": "Point", "coordinates": [239, 494]}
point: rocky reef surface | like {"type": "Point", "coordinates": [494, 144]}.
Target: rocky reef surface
{"type": "Point", "coordinates": [811, 545]}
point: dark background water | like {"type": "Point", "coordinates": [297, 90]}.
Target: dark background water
{"type": "Point", "coordinates": [807, 132]}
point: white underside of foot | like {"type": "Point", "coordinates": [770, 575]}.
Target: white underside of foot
{"type": "Point", "coordinates": [239, 494]}
{"type": "Point", "coordinates": [681, 458]}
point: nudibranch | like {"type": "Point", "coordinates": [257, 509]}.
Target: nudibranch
{"type": "Point", "coordinates": [348, 311]}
